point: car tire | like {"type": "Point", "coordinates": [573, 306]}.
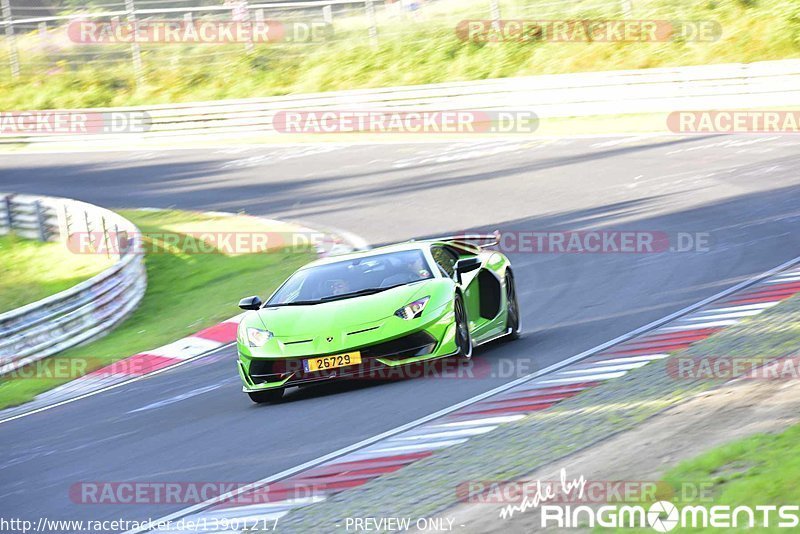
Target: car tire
{"type": "Point", "coordinates": [513, 323]}
{"type": "Point", "coordinates": [268, 395]}
{"type": "Point", "coordinates": [463, 338]}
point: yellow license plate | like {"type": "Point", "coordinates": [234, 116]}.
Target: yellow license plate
{"type": "Point", "coordinates": [331, 362]}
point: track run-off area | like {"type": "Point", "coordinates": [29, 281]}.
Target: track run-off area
{"type": "Point", "coordinates": [738, 196]}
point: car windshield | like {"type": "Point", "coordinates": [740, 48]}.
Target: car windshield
{"type": "Point", "coordinates": [350, 278]}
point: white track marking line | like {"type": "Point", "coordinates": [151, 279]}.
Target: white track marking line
{"type": "Point", "coordinates": [762, 306]}
{"type": "Point", "coordinates": [601, 367]}
{"type": "Point", "coordinates": [654, 325]}
{"type": "Point", "coordinates": [383, 450]}
{"type": "Point", "coordinates": [445, 435]}
{"type": "Point", "coordinates": [584, 377]}
{"type": "Point", "coordinates": [731, 315]}
{"type": "Point", "coordinates": [479, 422]}
{"type": "Point", "coordinates": [697, 326]}
{"type": "Point", "coordinates": [647, 358]}
{"type": "Point", "coordinates": [792, 278]}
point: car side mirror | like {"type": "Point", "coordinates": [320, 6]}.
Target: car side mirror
{"type": "Point", "coordinates": [250, 303]}
{"type": "Point", "coordinates": [466, 265]}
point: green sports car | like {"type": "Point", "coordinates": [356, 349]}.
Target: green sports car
{"type": "Point", "coordinates": [370, 311]}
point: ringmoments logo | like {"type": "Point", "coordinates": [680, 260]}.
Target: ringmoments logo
{"type": "Point", "coordinates": [664, 516]}
{"type": "Point", "coordinates": [556, 510]}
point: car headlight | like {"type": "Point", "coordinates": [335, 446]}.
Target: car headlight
{"type": "Point", "coordinates": [257, 337]}
{"type": "Point", "coordinates": [412, 310]}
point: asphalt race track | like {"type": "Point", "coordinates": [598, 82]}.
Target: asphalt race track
{"type": "Point", "coordinates": [194, 424]}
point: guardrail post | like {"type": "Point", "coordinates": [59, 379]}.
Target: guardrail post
{"type": "Point", "coordinates": [327, 14]}
{"type": "Point", "coordinates": [136, 52]}
{"type": "Point", "coordinates": [259, 16]}
{"type": "Point", "coordinates": [627, 7]}
{"type": "Point", "coordinates": [66, 230]}
{"type": "Point", "coordinates": [40, 226]}
{"type": "Point", "coordinates": [373, 24]}
{"type": "Point", "coordinates": [11, 38]}
{"type": "Point", "coordinates": [89, 238]}
{"type": "Point", "coordinates": [248, 46]}
{"type": "Point", "coordinates": [494, 13]}
{"type": "Point", "coordinates": [9, 213]}
{"type": "Point", "coordinates": [105, 236]}
{"type": "Point", "coordinates": [118, 242]}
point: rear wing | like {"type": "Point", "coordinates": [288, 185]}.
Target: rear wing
{"type": "Point", "coordinates": [472, 242]}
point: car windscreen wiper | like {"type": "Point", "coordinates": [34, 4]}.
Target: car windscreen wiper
{"type": "Point", "coordinates": [293, 303]}
{"type": "Point", "coordinates": [359, 293]}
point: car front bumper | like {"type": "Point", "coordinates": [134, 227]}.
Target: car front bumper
{"type": "Point", "coordinates": [384, 359]}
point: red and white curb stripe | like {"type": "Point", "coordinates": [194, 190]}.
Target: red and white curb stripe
{"type": "Point", "coordinates": [278, 495]}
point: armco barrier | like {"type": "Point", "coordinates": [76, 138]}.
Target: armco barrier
{"type": "Point", "coordinates": [723, 86]}
{"type": "Point", "coordinates": [84, 311]}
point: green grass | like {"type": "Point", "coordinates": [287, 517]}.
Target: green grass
{"type": "Point", "coordinates": [763, 469]}
{"type": "Point", "coordinates": [409, 52]}
{"type": "Point", "coordinates": [185, 293]}
{"type": "Point", "coordinates": [32, 270]}
{"type": "Point", "coordinates": [758, 470]}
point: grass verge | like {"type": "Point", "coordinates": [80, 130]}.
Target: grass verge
{"type": "Point", "coordinates": [185, 293]}
{"type": "Point", "coordinates": [760, 470]}
{"type": "Point", "coordinates": [418, 49]}
{"type": "Point", "coordinates": [32, 270]}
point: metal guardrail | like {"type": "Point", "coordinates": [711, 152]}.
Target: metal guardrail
{"type": "Point", "coordinates": [86, 310]}
{"type": "Point", "coordinates": [724, 86]}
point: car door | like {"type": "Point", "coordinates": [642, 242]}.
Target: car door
{"type": "Point", "coordinates": [446, 258]}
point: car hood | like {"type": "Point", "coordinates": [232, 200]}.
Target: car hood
{"type": "Point", "coordinates": [338, 317]}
